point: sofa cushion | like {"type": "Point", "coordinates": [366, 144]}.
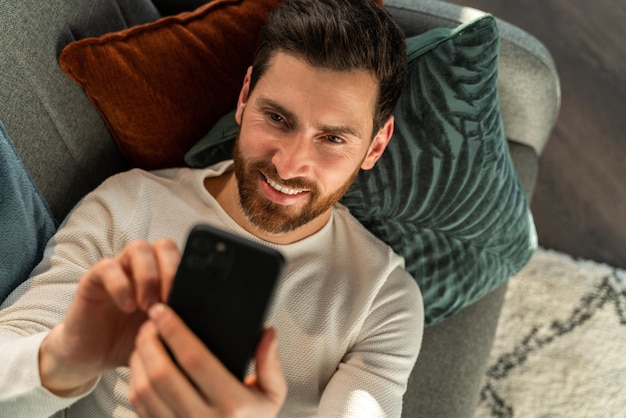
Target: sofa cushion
{"type": "Point", "coordinates": [444, 194]}
{"type": "Point", "coordinates": [160, 86]}
{"type": "Point", "coordinates": [25, 220]}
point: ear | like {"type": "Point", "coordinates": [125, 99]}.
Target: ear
{"type": "Point", "coordinates": [243, 96]}
{"type": "Point", "coordinates": [378, 145]}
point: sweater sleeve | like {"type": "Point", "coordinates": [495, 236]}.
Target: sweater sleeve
{"type": "Point", "coordinates": [372, 377]}
{"type": "Point", "coordinates": [26, 318]}
{"type": "Point", "coordinates": [21, 392]}
{"type": "Point", "coordinates": [41, 302]}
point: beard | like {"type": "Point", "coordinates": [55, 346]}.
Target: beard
{"type": "Point", "coordinates": [270, 216]}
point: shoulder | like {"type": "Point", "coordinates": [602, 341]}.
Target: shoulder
{"type": "Point", "coordinates": [138, 185]}
{"type": "Point", "coordinates": [186, 176]}
{"type": "Point", "coordinates": [137, 176]}
{"type": "Point", "coordinates": [360, 241]}
{"type": "Point", "coordinates": [376, 261]}
{"type": "Point", "coordinates": [114, 202]}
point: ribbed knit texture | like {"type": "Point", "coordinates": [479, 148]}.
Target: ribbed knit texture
{"type": "Point", "coordinates": [349, 318]}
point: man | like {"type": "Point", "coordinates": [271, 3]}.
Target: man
{"type": "Point", "coordinates": [87, 334]}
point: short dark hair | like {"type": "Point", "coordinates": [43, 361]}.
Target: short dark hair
{"type": "Point", "coordinates": [340, 35]}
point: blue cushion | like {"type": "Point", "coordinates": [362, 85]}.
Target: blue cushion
{"type": "Point", "coordinates": [444, 194]}
{"type": "Point", "coordinates": [26, 223]}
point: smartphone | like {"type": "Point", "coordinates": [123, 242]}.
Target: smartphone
{"type": "Point", "coordinates": [223, 289]}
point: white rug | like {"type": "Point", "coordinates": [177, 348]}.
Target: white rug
{"type": "Point", "coordinates": [560, 348]}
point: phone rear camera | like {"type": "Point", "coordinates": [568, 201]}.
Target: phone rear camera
{"type": "Point", "coordinates": [220, 247]}
{"type": "Point", "coordinates": [201, 243]}
{"type": "Point", "coordinates": [197, 262]}
{"type": "Point", "coordinates": [210, 257]}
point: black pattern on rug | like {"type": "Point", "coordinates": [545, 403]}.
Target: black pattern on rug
{"type": "Point", "coordinates": [609, 291]}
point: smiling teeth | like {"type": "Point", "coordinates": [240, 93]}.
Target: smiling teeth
{"type": "Point", "coordinates": [282, 189]}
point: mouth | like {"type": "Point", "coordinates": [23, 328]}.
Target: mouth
{"type": "Point", "coordinates": [283, 189]}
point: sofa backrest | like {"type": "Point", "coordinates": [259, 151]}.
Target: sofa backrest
{"type": "Point", "coordinates": [56, 131]}
{"type": "Point", "coordinates": [67, 148]}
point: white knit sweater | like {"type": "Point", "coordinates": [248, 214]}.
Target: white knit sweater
{"type": "Point", "coordinates": [349, 318]}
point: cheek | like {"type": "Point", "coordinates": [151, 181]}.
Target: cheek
{"type": "Point", "coordinates": [254, 141]}
{"type": "Point", "coordinates": [334, 175]}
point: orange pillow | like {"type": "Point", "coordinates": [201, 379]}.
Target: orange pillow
{"type": "Point", "coordinates": [161, 86]}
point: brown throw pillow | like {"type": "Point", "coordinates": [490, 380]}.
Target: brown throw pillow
{"type": "Point", "coordinates": [161, 86]}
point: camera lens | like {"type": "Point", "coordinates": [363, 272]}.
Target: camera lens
{"type": "Point", "coordinates": [197, 262]}
{"type": "Point", "coordinates": [201, 243]}
{"type": "Point", "coordinates": [220, 247]}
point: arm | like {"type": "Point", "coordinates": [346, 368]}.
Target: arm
{"type": "Point", "coordinates": [119, 290]}
{"type": "Point", "coordinates": [42, 302]}
{"type": "Point", "coordinates": [26, 318]}
{"type": "Point", "coordinates": [48, 371]}
{"type": "Point", "coordinates": [372, 377]}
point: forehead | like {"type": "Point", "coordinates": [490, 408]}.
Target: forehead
{"type": "Point", "coordinates": [316, 92]}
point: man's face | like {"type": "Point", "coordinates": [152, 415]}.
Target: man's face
{"type": "Point", "coordinates": [305, 133]}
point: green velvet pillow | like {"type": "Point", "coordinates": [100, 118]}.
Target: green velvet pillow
{"type": "Point", "coordinates": [444, 194]}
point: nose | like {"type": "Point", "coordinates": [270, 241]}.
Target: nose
{"type": "Point", "coordinates": [294, 156]}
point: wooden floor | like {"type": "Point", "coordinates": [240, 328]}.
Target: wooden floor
{"type": "Point", "coordinates": [580, 200]}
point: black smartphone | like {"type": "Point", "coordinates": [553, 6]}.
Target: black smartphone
{"type": "Point", "coordinates": [222, 290]}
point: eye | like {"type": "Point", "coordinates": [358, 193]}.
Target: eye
{"type": "Point", "coordinates": [276, 117]}
{"type": "Point", "coordinates": [335, 139]}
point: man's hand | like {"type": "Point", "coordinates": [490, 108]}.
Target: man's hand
{"type": "Point", "coordinates": [159, 389]}
{"type": "Point", "coordinates": [102, 322]}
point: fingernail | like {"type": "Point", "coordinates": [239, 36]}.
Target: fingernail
{"type": "Point", "coordinates": [272, 335]}
{"type": "Point", "coordinates": [157, 312]}
{"type": "Point", "coordinates": [272, 332]}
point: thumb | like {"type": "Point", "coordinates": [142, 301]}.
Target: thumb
{"type": "Point", "coordinates": [270, 379]}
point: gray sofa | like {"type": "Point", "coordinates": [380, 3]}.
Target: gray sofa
{"type": "Point", "coordinates": [68, 151]}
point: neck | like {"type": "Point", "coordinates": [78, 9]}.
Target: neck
{"type": "Point", "coordinates": [225, 190]}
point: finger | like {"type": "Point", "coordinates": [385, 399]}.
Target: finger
{"type": "Point", "coordinates": [168, 258]}
{"type": "Point", "coordinates": [202, 367]}
{"type": "Point", "coordinates": [140, 392]}
{"type": "Point", "coordinates": [270, 378]}
{"type": "Point", "coordinates": [109, 275]}
{"type": "Point", "coordinates": [164, 379]}
{"type": "Point", "coordinates": [140, 263]}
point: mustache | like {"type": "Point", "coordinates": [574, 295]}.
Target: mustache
{"type": "Point", "coordinates": [269, 171]}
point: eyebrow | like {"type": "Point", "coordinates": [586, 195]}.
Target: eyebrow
{"type": "Point", "coordinates": [341, 129]}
